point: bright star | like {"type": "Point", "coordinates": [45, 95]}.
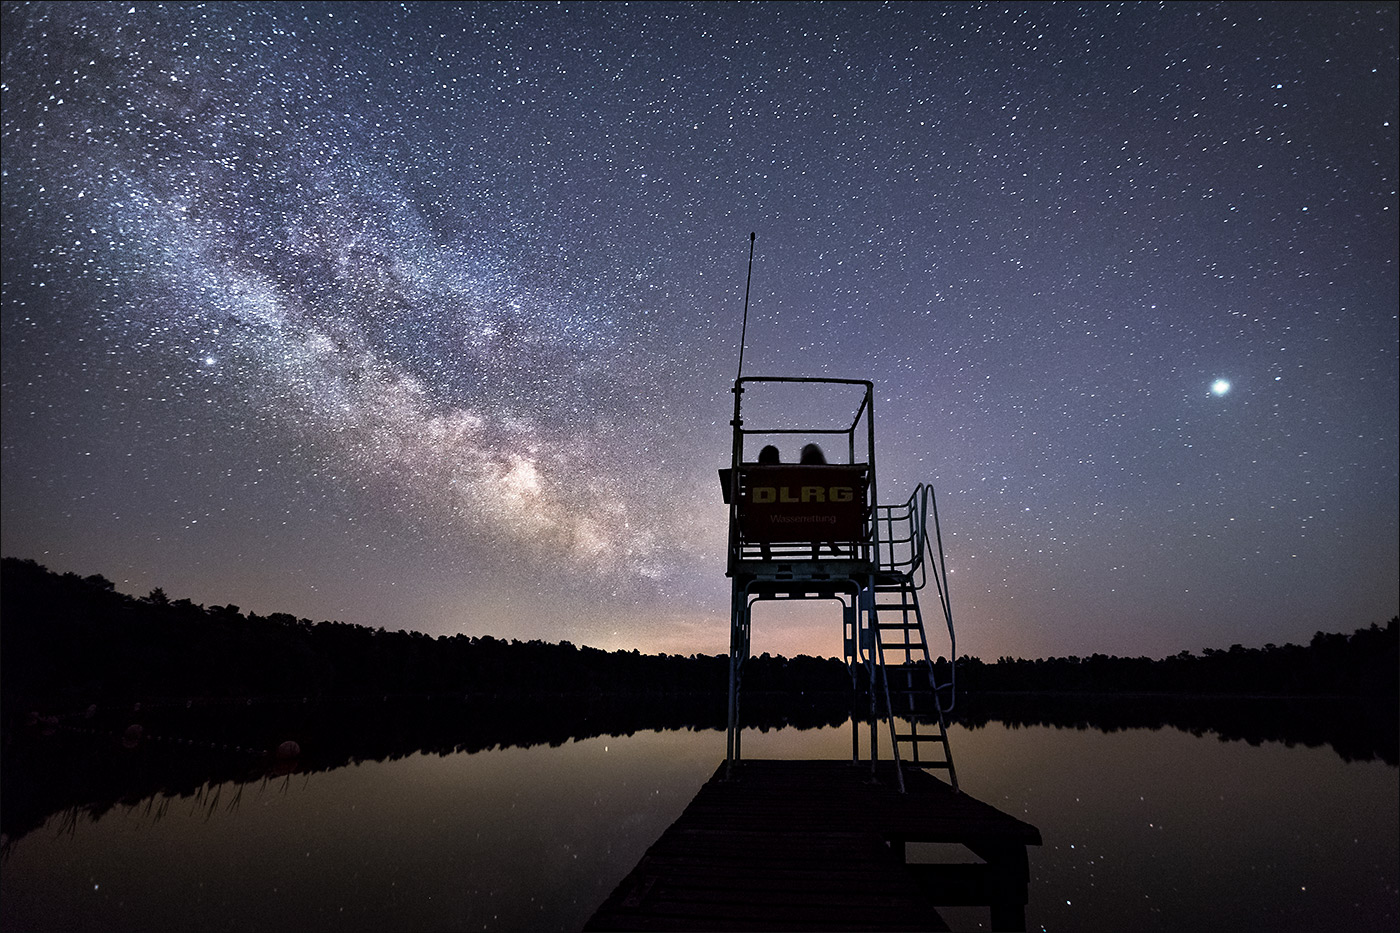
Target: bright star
{"type": "Point", "coordinates": [1220, 386]}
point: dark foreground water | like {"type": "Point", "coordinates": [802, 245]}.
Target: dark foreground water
{"type": "Point", "coordinates": [1144, 830]}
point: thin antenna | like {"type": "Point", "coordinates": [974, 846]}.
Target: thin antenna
{"type": "Point", "coordinates": [744, 332]}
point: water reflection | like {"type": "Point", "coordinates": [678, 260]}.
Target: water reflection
{"type": "Point", "coordinates": [1356, 728]}
{"type": "Point", "coordinates": [1161, 830]}
{"type": "Point", "coordinates": [1147, 829]}
{"type": "Point", "coordinates": [91, 760]}
{"type": "Point", "coordinates": [506, 839]}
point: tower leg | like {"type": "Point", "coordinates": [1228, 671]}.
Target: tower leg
{"type": "Point", "coordinates": [738, 653]}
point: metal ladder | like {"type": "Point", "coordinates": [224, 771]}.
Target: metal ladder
{"type": "Point", "coordinates": [911, 691]}
{"type": "Point", "coordinates": [909, 684]}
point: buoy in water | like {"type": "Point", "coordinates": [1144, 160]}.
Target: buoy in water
{"type": "Point", "coordinates": [288, 750]}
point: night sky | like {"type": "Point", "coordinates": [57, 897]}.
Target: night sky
{"type": "Point", "coordinates": [426, 317]}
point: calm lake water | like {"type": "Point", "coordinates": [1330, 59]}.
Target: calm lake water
{"type": "Point", "coordinates": [1143, 829]}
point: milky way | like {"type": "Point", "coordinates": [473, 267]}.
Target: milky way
{"type": "Point", "coordinates": [426, 316]}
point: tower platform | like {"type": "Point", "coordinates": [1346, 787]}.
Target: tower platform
{"type": "Point", "coordinates": [820, 845]}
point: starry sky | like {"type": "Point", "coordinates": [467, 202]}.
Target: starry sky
{"type": "Point", "coordinates": [426, 316]}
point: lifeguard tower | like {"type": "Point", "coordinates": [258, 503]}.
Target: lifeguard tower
{"type": "Point", "coordinates": [778, 844]}
{"type": "Point", "coordinates": [817, 530]}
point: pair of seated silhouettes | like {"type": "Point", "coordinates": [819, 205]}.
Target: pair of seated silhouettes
{"type": "Point", "coordinates": [811, 456]}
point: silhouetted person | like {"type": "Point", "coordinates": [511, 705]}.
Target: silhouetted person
{"type": "Point", "coordinates": [812, 456]}
{"type": "Point", "coordinates": [767, 457]}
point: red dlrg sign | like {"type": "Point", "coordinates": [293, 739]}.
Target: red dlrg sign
{"type": "Point", "coordinates": [793, 502]}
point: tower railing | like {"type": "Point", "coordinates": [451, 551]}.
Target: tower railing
{"type": "Point", "coordinates": [754, 526]}
{"type": "Point", "coordinates": [905, 553]}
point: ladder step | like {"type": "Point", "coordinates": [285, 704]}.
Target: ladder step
{"type": "Point", "coordinates": [919, 737]}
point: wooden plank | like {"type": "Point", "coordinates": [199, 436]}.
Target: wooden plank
{"type": "Point", "coordinates": [814, 845]}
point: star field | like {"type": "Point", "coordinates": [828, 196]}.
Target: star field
{"type": "Point", "coordinates": [425, 316]}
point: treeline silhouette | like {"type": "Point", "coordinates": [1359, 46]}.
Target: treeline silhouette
{"type": "Point", "coordinates": [1365, 663]}
{"type": "Point", "coordinates": [71, 641]}
{"type": "Point", "coordinates": [112, 699]}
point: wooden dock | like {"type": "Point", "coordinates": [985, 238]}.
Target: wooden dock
{"type": "Point", "coordinates": [820, 845]}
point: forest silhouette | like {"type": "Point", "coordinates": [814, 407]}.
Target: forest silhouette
{"type": "Point", "coordinates": [109, 697]}
{"type": "Point", "coordinates": [71, 641]}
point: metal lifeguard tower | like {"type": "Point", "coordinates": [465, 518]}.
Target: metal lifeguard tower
{"type": "Point", "coordinates": [817, 531]}
{"type": "Point", "coordinates": [786, 844]}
